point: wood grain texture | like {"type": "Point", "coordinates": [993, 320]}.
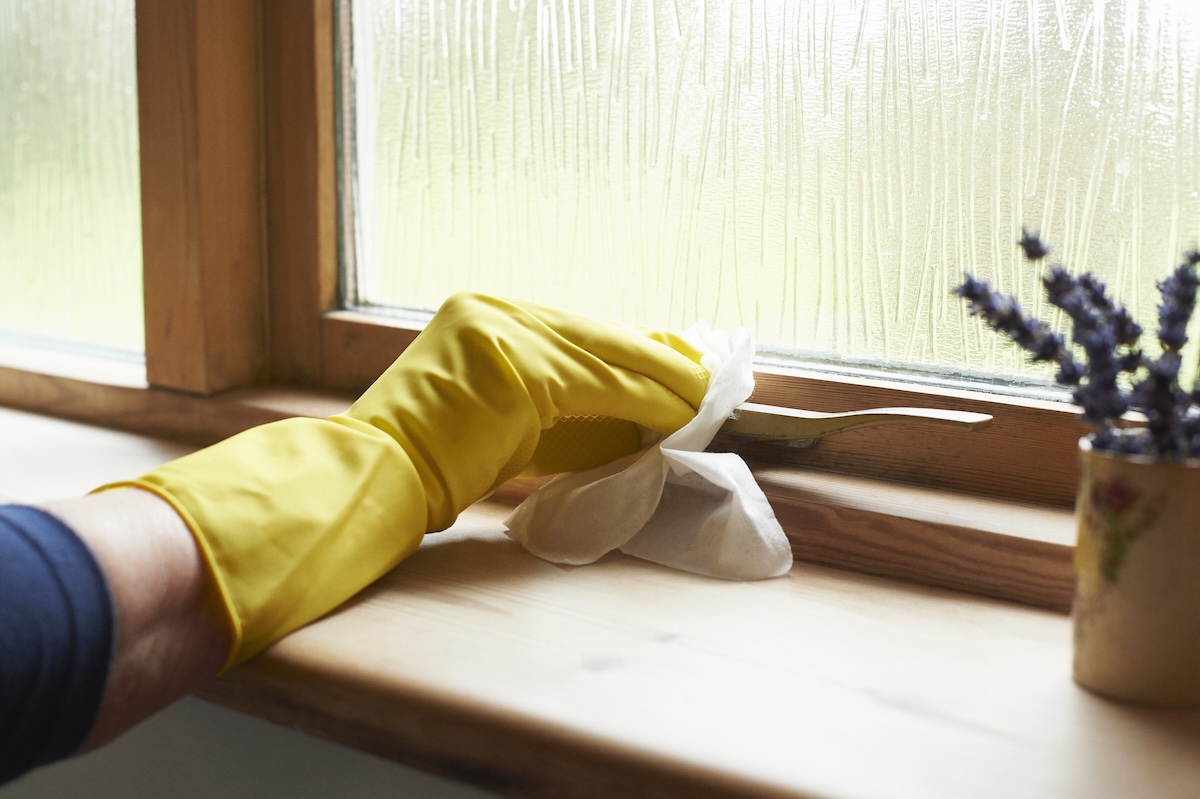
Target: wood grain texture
{"type": "Point", "coordinates": [45, 459]}
{"type": "Point", "coordinates": [201, 239]}
{"type": "Point", "coordinates": [1029, 453]}
{"type": "Point", "coordinates": [990, 547]}
{"type": "Point", "coordinates": [358, 347]}
{"type": "Point", "coordinates": [479, 662]}
{"type": "Point", "coordinates": [157, 412]}
{"type": "Point", "coordinates": [475, 660]}
{"type": "Point", "coordinates": [301, 195]}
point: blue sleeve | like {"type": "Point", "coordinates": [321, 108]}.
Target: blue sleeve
{"type": "Point", "coordinates": [57, 631]}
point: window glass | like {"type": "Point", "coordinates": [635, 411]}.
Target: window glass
{"type": "Point", "coordinates": [820, 171]}
{"type": "Point", "coordinates": [70, 220]}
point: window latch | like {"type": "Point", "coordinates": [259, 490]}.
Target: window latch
{"type": "Point", "coordinates": [755, 423]}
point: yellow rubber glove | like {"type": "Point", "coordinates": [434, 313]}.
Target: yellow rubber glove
{"type": "Point", "coordinates": [297, 516]}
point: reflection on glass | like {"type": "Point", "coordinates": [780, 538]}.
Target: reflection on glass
{"type": "Point", "coordinates": [70, 220]}
{"type": "Point", "coordinates": [820, 171]}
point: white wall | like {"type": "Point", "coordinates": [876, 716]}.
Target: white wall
{"type": "Point", "coordinates": [197, 749]}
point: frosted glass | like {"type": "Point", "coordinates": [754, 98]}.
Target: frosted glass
{"type": "Point", "coordinates": [70, 219]}
{"type": "Point", "coordinates": [821, 171]}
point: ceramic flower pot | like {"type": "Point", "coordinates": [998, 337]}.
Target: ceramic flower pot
{"type": "Point", "coordinates": [1137, 566]}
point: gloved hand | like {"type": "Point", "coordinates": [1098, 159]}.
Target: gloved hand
{"type": "Point", "coordinates": [297, 516]}
{"type": "Point", "coordinates": [493, 387]}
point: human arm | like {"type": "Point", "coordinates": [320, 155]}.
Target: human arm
{"type": "Point", "coordinates": [212, 557]}
{"type": "Point", "coordinates": [172, 634]}
{"type": "Point", "coordinates": [106, 616]}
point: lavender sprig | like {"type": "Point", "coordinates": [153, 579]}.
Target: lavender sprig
{"type": "Point", "coordinates": [1178, 302]}
{"type": "Point", "coordinates": [1109, 339]}
{"type": "Point", "coordinates": [1004, 315]}
{"type": "Point", "coordinates": [1106, 333]}
{"type": "Point", "coordinates": [1035, 249]}
{"type": "Point", "coordinates": [1167, 406]}
{"type": "Point", "coordinates": [1159, 397]}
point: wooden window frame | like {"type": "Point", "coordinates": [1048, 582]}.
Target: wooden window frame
{"type": "Point", "coordinates": [240, 212]}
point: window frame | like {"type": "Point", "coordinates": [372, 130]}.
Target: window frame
{"type": "Point", "coordinates": [240, 214]}
{"type": "Point", "coordinates": [1030, 454]}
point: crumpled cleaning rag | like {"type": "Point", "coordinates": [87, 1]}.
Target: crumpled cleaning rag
{"type": "Point", "coordinates": [672, 503]}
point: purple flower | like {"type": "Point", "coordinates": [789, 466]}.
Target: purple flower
{"type": "Point", "coordinates": [1070, 372]}
{"type": "Point", "coordinates": [1004, 314]}
{"type": "Point", "coordinates": [1127, 331]}
{"type": "Point", "coordinates": [1099, 395]}
{"type": "Point", "coordinates": [1178, 301]}
{"type": "Point", "coordinates": [1108, 337]}
{"type": "Point", "coordinates": [1159, 397]}
{"type": "Point", "coordinates": [1032, 244]}
{"type": "Point", "coordinates": [1116, 495]}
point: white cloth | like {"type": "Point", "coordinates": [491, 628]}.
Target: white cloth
{"type": "Point", "coordinates": [672, 503]}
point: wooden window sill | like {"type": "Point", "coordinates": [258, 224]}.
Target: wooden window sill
{"type": "Point", "coordinates": [477, 661]}
{"type": "Point", "coordinates": [998, 548]}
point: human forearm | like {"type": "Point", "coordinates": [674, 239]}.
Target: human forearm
{"type": "Point", "coordinates": [211, 558]}
{"type": "Point", "coordinates": [172, 632]}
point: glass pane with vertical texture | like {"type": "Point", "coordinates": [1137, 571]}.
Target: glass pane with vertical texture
{"type": "Point", "coordinates": [820, 171]}
{"type": "Point", "coordinates": [70, 219]}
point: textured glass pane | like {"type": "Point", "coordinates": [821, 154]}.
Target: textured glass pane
{"type": "Point", "coordinates": [70, 221]}
{"type": "Point", "coordinates": [822, 171]}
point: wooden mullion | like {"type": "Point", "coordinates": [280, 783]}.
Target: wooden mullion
{"type": "Point", "coordinates": [301, 196]}
{"type": "Point", "coordinates": [198, 126]}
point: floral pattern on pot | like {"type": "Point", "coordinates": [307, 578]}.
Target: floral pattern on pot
{"type": "Point", "coordinates": [1117, 514]}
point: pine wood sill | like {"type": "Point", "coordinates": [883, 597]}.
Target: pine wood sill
{"type": "Point", "coordinates": [997, 548]}
{"type": "Point", "coordinates": [477, 661]}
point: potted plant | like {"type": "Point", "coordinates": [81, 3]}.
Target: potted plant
{"type": "Point", "coordinates": [1137, 559]}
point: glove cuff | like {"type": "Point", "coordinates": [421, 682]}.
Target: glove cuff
{"type": "Point", "coordinates": [293, 518]}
